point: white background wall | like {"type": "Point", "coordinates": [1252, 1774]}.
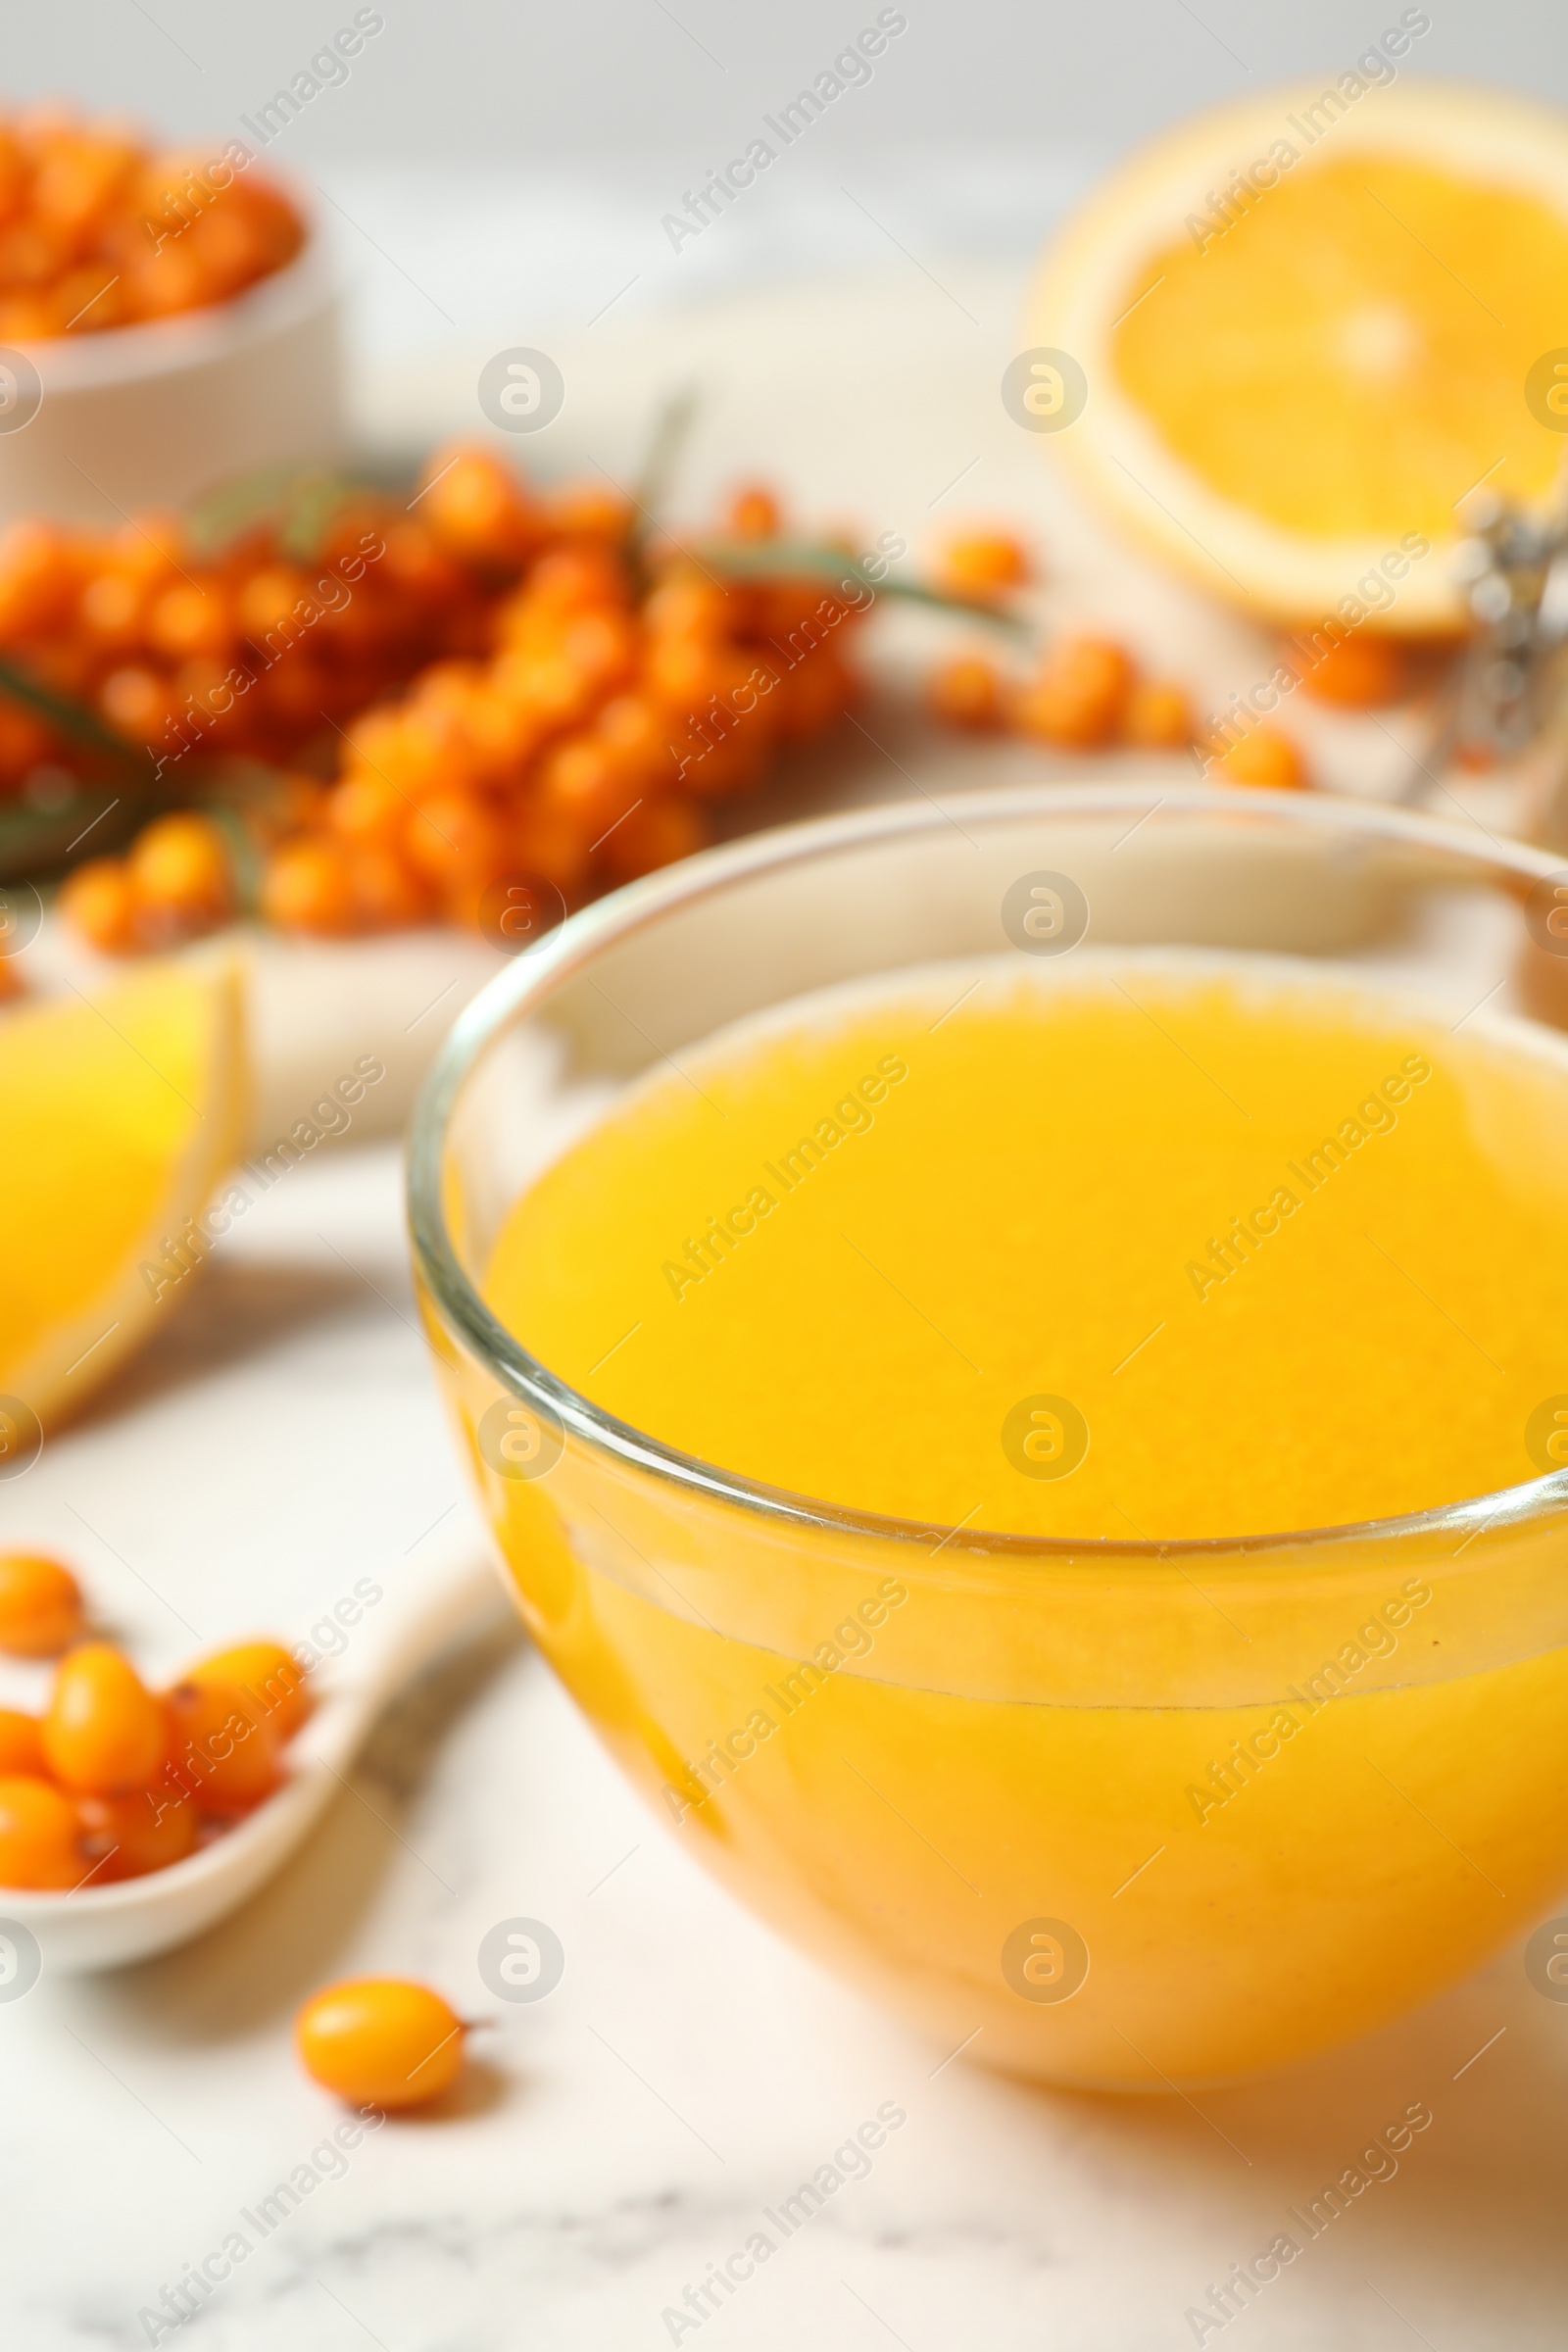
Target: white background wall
{"type": "Point", "coordinates": [499, 169]}
{"type": "Point", "coordinates": [619, 85]}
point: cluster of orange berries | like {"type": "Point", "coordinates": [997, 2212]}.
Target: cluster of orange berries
{"type": "Point", "coordinates": [575, 737]}
{"type": "Point", "coordinates": [1087, 697]}
{"type": "Point", "coordinates": [176, 882]}
{"type": "Point", "coordinates": [249, 652]}
{"type": "Point", "coordinates": [98, 230]}
{"type": "Point", "coordinates": [113, 1779]}
{"type": "Point", "coordinates": [1088, 694]}
{"type": "Point", "coordinates": [584, 750]}
{"type": "Point", "coordinates": [510, 692]}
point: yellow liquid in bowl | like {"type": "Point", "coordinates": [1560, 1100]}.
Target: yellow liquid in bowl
{"type": "Point", "coordinates": [1147, 1248]}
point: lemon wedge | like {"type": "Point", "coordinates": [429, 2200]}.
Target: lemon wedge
{"type": "Point", "coordinates": [123, 1114]}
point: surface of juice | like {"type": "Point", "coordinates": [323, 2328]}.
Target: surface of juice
{"type": "Point", "coordinates": [1146, 1247]}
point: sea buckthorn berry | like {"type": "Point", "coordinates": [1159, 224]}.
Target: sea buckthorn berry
{"type": "Point", "coordinates": [231, 246]}
{"type": "Point", "coordinates": [38, 1836]}
{"type": "Point", "coordinates": [566, 579]}
{"type": "Point", "coordinates": [308, 886]}
{"type": "Point", "coordinates": [1078, 699]}
{"type": "Point", "coordinates": [188, 620]}
{"type": "Point", "coordinates": [683, 673]}
{"type": "Point", "coordinates": [39, 577]}
{"type": "Point", "coordinates": [447, 686]}
{"type": "Point", "coordinates": [452, 835]}
{"type": "Point", "coordinates": [21, 1744]}
{"type": "Point", "coordinates": [634, 732]}
{"type": "Point", "coordinates": [476, 508]}
{"type": "Point", "coordinates": [99, 902]}
{"type": "Point", "coordinates": [498, 734]}
{"type": "Point", "coordinates": [433, 750]}
{"type": "Point", "coordinates": [79, 176]}
{"type": "Point", "coordinates": [1264, 757]}
{"type": "Point", "coordinates": [366, 807]}
{"type": "Point", "coordinates": [199, 683]}
{"type": "Point", "coordinates": [979, 562]}
{"type": "Point", "coordinates": [182, 876]}
{"type": "Point", "coordinates": [1362, 672]}
{"type": "Point", "coordinates": [381, 744]}
{"type": "Point", "coordinates": [40, 1606]}
{"type": "Point", "coordinates": [267, 1673]}
{"type": "Point", "coordinates": [754, 512]}
{"type": "Point", "coordinates": [104, 1733]}
{"type": "Point", "coordinates": [380, 2042]}
{"type": "Point", "coordinates": [138, 703]}
{"type": "Point", "coordinates": [150, 545]}
{"type": "Point", "coordinates": [26, 317]}
{"type": "Point", "coordinates": [222, 1747]}
{"type": "Point", "coordinates": [966, 693]}
{"type": "Point", "coordinates": [581, 778]}
{"type": "Point", "coordinates": [270, 607]}
{"type": "Point", "coordinates": [413, 567]}
{"type": "Point", "coordinates": [111, 610]}
{"type": "Point", "coordinates": [602, 646]}
{"type": "Point", "coordinates": [1158, 717]}
{"type": "Point", "coordinates": [549, 687]}
{"type": "Point", "coordinates": [588, 510]}
{"type": "Point", "coordinates": [126, 1837]}
{"type": "Point", "coordinates": [688, 605]}
{"type": "Point", "coordinates": [163, 285]}
{"type": "Point", "coordinates": [388, 895]}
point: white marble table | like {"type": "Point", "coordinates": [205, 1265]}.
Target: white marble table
{"type": "Point", "coordinates": [620, 2138]}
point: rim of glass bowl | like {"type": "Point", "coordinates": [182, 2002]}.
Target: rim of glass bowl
{"type": "Point", "coordinates": [532, 980]}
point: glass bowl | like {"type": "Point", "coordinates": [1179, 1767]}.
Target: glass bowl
{"type": "Point", "coordinates": [1118, 1814]}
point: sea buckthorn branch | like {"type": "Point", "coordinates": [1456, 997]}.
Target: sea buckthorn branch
{"type": "Point", "coordinates": [536, 691]}
{"type": "Point", "coordinates": [797, 559]}
{"type": "Point", "coordinates": [484, 681]}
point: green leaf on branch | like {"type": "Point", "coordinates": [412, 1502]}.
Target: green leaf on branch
{"type": "Point", "coordinates": [789, 559]}
{"type": "Point", "coordinates": [36, 840]}
{"type": "Point", "coordinates": [74, 718]}
{"type": "Point", "coordinates": [671, 431]}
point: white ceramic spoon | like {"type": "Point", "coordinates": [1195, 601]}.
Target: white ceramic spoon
{"type": "Point", "coordinates": [105, 1927]}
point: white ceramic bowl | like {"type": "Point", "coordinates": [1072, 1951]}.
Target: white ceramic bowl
{"type": "Point", "coordinates": [154, 414]}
